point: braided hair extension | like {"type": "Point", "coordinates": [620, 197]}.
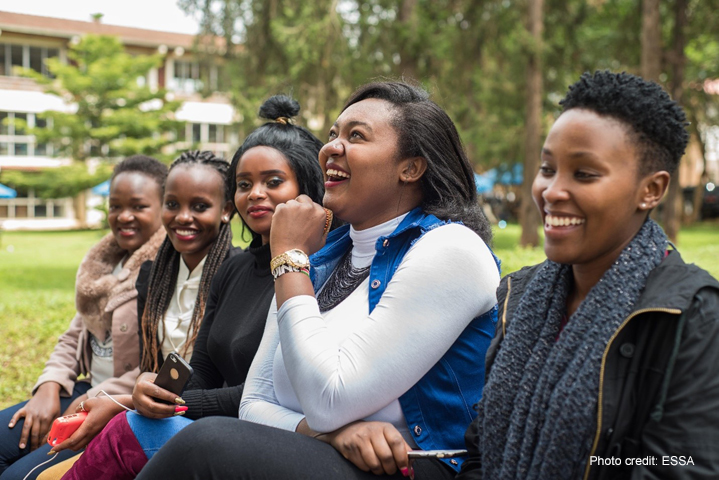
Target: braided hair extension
{"type": "Point", "coordinates": [163, 275]}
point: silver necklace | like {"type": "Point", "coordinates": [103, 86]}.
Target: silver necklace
{"type": "Point", "coordinates": [343, 281]}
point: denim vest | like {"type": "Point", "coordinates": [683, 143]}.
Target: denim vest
{"type": "Point", "coordinates": [439, 407]}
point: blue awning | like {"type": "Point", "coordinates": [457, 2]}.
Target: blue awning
{"type": "Point", "coordinates": [7, 192]}
{"type": "Point", "coordinates": [484, 183]}
{"type": "Point", "coordinates": [102, 189]}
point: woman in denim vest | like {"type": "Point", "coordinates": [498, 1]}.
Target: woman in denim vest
{"type": "Point", "coordinates": [379, 348]}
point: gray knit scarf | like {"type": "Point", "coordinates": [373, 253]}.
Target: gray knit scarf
{"type": "Point", "coordinates": [539, 407]}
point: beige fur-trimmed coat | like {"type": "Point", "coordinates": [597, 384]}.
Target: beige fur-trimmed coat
{"type": "Point", "coordinates": [105, 303]}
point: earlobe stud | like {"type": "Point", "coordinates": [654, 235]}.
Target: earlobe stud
{"type": "Point", "coordinates": [643, 205]}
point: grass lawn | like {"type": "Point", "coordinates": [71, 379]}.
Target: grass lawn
{"type": "Point", "coordinates": [37, 277]}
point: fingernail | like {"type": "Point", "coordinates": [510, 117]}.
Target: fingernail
{"type": "Point", "coordinates": [181, 409]}
{"type": "Point", "coordinates": [51, 452]}
{"type": "Point", "coordinates": [178, 413]}
{"type": "Point", "coordinates": [411, 473]}
{"type": "Point", "coordinates": [405, 471]}
{"type": "Point", "coordinates": [22, 445]}
{"type": "Point", "coordinates": [10, 424]}
{"type": "Point", "coordinates": [179, 401]}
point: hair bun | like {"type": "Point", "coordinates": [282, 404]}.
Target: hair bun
{"type": "Point", "coordinates": [279, 106]}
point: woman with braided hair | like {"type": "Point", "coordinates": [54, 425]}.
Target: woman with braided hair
{"type": "Point", "coordinates": [276, 163]}
{"type": "Point", "coordinates": [173, 289]}
{"type": "Point", "coordinates": [196, 214]}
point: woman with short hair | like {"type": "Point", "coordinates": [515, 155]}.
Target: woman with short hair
{"type": "Point", "coordinates": [606, 352]}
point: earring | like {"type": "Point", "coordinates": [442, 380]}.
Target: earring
{"type": "Point", "coordinates": [225, 218]}
{"type": "Point", "coordinates": [643, 205]}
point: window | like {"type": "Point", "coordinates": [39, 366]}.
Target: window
{"type": "Point", "coordinates": [196, 133]}
{"type": "Point", "coordinates": [19, 129]}
{"type": "Point", "coordinates": [186, 77]}
{"type": "Point", "coordinates": [41, 210]}
{"type": "Point", "coordinates": [14, 55]}
{"type": "Point", "coordinates": [21, 150]}
{"type": "Point", "coordinates": [36, 58]}
{"type": "Point", "coordinates": [14, 139]}
{"type": "Point", "coordinates": [209, 136]}
{"type": "Point", "coordinates": [26, 205]}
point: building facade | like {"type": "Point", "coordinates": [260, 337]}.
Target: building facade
{"type": "Point", "coordinates": [28, 40]}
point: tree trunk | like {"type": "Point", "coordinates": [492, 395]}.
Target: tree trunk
{"type": "Point", "coordinates": [698, 197]}
{"type": "Point", "coordinates": [673, 203]}
{"type": "Point", "coordinates": [79, 204]}
{"type": "Point", "coordinates": [528, 215]}
{"type": "Point", "coordinates": [651, 40]}
{"type": "Point", "coordinates": [651, 48]}
{"type": "Point", "coordinates": [408, 22]}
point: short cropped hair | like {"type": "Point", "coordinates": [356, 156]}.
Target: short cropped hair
{"type": "Point", "coordinates": [657, 124]}
{"type": "Point", "coordinates": [145, 165]}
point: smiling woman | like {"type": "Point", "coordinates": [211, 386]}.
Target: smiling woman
{"type": "Point", "coordinates": [276, 162]}
{"type": "Point", "coordinates": [379, 347]}
{"type": "Point", "coordinates": [196, 214]}
{"type": "Point", "coordinates": [606, 352]}
{"type": "Point", "coordinates": [98, 344]}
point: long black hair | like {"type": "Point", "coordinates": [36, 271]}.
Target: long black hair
{"type": "Point", "coordinates": [425, 130]}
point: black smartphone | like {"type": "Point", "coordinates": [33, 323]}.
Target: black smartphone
{"type": "Point", "coordinates": [436, 453]}
{"type": "Point", "coordinates": [174, 374]}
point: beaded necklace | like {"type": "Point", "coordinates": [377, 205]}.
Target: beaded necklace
{"type": "Point", "coordinates": [343, 281]}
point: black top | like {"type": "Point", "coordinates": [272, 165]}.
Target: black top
{"type": "Point", "coordinates": [231, 330]}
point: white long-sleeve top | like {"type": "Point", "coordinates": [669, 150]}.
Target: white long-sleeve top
{"type": "Point", "coordinates": [346, 364]}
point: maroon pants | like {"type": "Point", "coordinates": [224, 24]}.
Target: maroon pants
{"type": "Point", "coordinates": [114, 454]}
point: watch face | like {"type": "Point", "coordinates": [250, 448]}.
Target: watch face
{"type": "Point", "coordinates": [298, 257]}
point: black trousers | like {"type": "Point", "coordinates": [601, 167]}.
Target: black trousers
{"type": "Point", "coordinates": [228, 448]}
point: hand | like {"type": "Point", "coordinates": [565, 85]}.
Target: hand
{"type": "Point", "coordinates": [73, 406]}
{"type": "Point", "coordinates": [372, 446]}
{"type": "Point", "coordinates": [100, 410]}
{"type": "Point", "coordinates": [145, 396]}
{"type": "Point", "coordinates": [39, 413]}
{"type": "Point", "coordinates": [298, 223]}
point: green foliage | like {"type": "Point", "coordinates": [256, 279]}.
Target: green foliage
{"type": "Point", "coordinates": [58, 182]}
{"type": "Point", "coordinates": [471, 55]}
{"type": "Point", "coordinates": [109, 113]}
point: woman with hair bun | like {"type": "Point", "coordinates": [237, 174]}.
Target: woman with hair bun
{"type": "Point", "coordinates": [378, 347]}
{"type": "Point", "coordinates": [276, 163]}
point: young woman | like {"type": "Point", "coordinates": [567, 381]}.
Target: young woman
{"type": "Point", "coordinates": [195, 212]}
{"type": "Point", "coordinates": [102, 341]}
{"type": "Point", "coordinates": [276, 163]}
{"type": "Point", "coordinates": [606, 352]}
{"type": "Point", "coordinates": [382, 351]}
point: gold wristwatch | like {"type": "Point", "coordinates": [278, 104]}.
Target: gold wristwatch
{"type": "Point", "coordinates": [291, 261]}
